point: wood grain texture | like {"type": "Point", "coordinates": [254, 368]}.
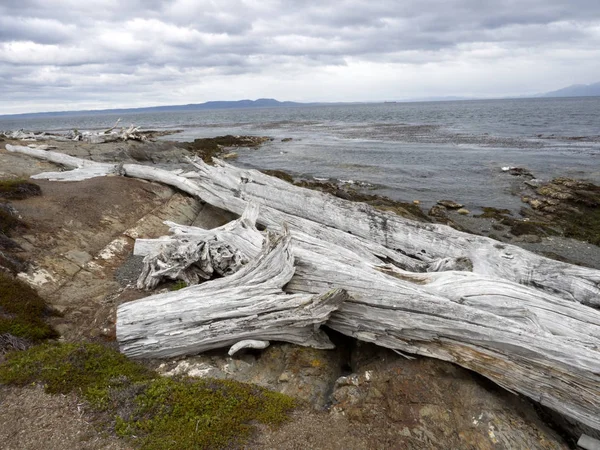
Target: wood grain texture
{"type": "Point", "coordinates": [247, 305]}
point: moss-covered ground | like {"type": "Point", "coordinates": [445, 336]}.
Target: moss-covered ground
{"type": "Point", "coordinates": [153, 412]}
{"type": "Point", "coordinates": [23, 311]}
{"type": "Point", "coordinates": [12, 189]}
{"type": "Point", "coordinates": [17, 189]}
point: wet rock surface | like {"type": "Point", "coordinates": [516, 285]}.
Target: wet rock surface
{"type": "Point", "coordinates": [573, 205]}
{"type": "Point", "coordinates": [206, 148]}
{"type": "Point", "coordinates": [450, 204]}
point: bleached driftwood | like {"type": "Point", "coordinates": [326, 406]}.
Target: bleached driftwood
{"type": "Point", "coordinates": [195, 254]}
{"type": "Point", "coordinates": [427, 244]}
{"type": "Point", "coordinates": [250, 343]}
{"type": "Point", "coordinates": [84, 169]}
{"type": "Point", "coordinates": [526, 340]}
{"type": "Point", "coordinates": [248, 305]}
{"type": "Point", "coordinates": [93, 137]}
{"type": "Point", "coordinates": [518, 319]}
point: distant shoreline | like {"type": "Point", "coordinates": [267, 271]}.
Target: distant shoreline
{"type": "Point", "coordinates": [264, 103]}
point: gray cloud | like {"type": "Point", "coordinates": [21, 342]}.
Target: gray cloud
{"type": "Point", "coordinates": [104, 52]}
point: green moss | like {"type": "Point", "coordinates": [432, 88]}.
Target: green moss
{"type": "Point", "coordinates": [519, 228]}
{"type": "Point", "coordinates": [22, 311]}
{"type": "Point", "coordinates": [584, 225]}
{"type": "Point", "coordinates": [201, 414]}
{"type": "Point", "coordinates": [155, 413]}
{"type": "Point", "coordinates": [178, 285]}
{"type": "Point", "coordinates": [16, 189]}
{"type": "Point", "coordinates": [87, 369]}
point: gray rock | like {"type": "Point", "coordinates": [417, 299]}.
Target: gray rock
{"type": "Point", "coordinates": [450, 204]}
{"type": "Point", "coordinates": [438, 211]}
{"type": "Point", "coordinates": [427, 403]}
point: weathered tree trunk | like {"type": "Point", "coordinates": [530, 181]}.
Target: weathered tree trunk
{"type": "Point", "coordinates": [518, 318]}
{"type": "Point", "coordinates": [526, 340]}
{"type": "Point", "coordinates": [248, 305]}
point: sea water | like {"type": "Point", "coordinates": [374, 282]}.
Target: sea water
{"type": "Point", "coordinates": [408, 151]}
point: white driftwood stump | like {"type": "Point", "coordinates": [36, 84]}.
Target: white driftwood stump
{"type": "Point", "coordinates": [248, 305]}
{"type": "Point", "coordinates": [529, 323]}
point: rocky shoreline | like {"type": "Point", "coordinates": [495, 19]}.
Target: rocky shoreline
{"type": "Point", "coordinates": [81, 263]}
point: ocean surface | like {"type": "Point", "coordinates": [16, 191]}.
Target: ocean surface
{"type": "Point", "coordinates": [408, 151]}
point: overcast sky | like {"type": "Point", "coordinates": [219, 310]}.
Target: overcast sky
{"type": "Point", "coordinates": [76, 54]}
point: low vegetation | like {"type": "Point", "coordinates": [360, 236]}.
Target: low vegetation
{"type": "Point", "coordinates": [153, 412]}
{"type": "Point", "coordinates": [23, 311]}
{"type": "Point", "coordinates": [10, 224]}
{"type": "Point", "coordinates": [17, 189]}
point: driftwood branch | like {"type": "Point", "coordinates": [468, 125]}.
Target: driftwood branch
{"type": "Point", "coordinates": [524, 321]}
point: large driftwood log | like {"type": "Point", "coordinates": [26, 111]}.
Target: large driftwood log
{"type": "Point", "coordinates": [248, 305]}
{"type": "Point", "coordinates": [526, 340]}
{"type": "Point", "coordinates": [517, 319]}
{"type": "Point", "coordinates": [431, 244]}
{"type": "Point", "coordinates": [361, 228]}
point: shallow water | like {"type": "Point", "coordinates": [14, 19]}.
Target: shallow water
{"type": "Point", "coordinates": [408, 151]}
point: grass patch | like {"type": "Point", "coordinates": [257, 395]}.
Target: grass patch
{"type": "Point", "coordinates": [87, 369]}
{"type": "Point", "coordinates": [18, 189]}
{"type": "Point", "coordinates": [186, 414]}
{"type": "Point", "coordinates": [180, 284]}
{"type": "Point", "coordinates": [155, 413]}
{"type": "Point", "coordinates": [22, 311]}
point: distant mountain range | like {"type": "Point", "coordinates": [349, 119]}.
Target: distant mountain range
{"type": "Point", "coordinates": [576, 90]}
{"type": "Point", "coordinates": [238, 104]}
